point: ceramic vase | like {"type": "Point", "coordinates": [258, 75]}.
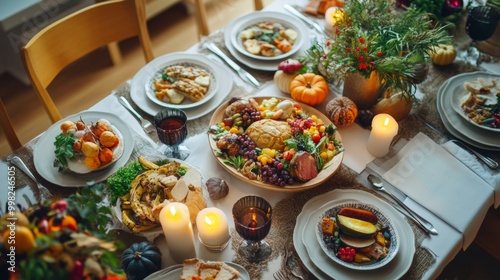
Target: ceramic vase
{"type": "Point", "coordinates": [362, 91]}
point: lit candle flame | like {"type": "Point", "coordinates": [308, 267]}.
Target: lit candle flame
{"type": "Point", "coordinates": [386, 122]}
{"type": "Point", "coordinates": [173, 211]}
{"type": "Point", "coordinates": [208, 221]}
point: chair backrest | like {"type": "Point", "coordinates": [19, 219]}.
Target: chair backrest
{"type": "Point", "coordinates": [70, 38]}
{"type": "Point", "coordinates": [201, 15]}
{"type": "Point", "coordinates": [8, 128]}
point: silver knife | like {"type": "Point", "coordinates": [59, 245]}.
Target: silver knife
{"type": "Point", "coordinates": [244, 75]}
{"type": "Point", "coordinates": [491, 163]}
{"type": "Point", "coordinates": [309, 22]}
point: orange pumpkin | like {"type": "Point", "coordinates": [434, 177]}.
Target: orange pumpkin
{"type": "Point", "coordinates": [309, 88]}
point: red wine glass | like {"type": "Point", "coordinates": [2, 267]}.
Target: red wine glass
{"type": "Point", "coordinates": [480, 25]}
{"type": "Point", "coordinates": [252, 217]}
{"type": "Point", "coordinates": [171, 126]}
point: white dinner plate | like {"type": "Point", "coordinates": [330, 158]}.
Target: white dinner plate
{"type": "Point", "coordinates": [43, 152]}
{"type": "Point", "coordinates": [251, 19]}
{"type": "Point", "coordinates": [265, 65]}
{"type": "Point", "coordinates": [197, 61]}
{"type": "Point", "coordinates": [383, 218]}
{"type": "Point", "coordinates": [175, 271]}
{"type": "Point", "coordinates": [460, 95]}
{"type": "Point", "coordinates": [138, 91]}
{"type": "Point", "coordinates": [322, 266]}
{"type": "Point", "coordinates": [458, 126]}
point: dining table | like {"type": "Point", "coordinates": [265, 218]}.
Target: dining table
{"type": "Point", "coordinates": [430, 173]}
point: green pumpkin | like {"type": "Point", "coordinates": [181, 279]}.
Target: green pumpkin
{"type": "Point", "coordinates": [140, 260]}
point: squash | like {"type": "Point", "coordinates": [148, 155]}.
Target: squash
{"type": "Point", "coordinates": [140, 260]}
{"type": "Point", "coordinates": [356, 228]}
{"type": "Point", "coordinates": [442, 54]}
{"type": "Point", "coordinates": [309, 88]}
{"type": "Point", "coordinates": [283, 80]}
{"type": "Point", "coordinates": [394, 104]}
{"type": "Point", "coordinates": [342, 111]}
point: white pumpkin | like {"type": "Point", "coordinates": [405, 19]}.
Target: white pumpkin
{"type": "Point", "coordinates": [283, 80]}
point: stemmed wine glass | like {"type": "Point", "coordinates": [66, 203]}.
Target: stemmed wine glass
{"type": "Point", "coordinates": [252, 218]}
{"type": "Point", "coordinates": [480, 25]}
{"type": "Point", "coordinates": [171, 126]}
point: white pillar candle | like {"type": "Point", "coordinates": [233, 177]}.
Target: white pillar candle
{"type": "Point", "coordinates": [332, 16]}
{"type": "Point", "coordinates": [176, 225]}
{"type": "Point", "coordinates": [384, 128]}
{"type": "Point", "coordinates": [212, 227]}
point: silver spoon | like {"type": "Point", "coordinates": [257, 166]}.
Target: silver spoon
{"type": "Point", "coordinates": [376, 182]}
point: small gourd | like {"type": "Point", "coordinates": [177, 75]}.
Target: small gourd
{"type": "Point", "coordinates": [309, 88]}
{"type": "Point", "coordinates": [443, 54]}
{"type": "Point", "coordinates": [394, 104]}
{"type": "Point", "coordinates": [140, 260]}
{"type": "Point", "coordinates": [287, 70]}
{"type": "Point", "coordinates": [342, 111]}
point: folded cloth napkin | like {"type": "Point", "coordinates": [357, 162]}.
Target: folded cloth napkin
{"type": "Point", "coordinates": [435, 179]}
{"type": "Point", "coordinates": [492, 177]}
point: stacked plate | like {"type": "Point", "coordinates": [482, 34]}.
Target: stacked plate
{"type": "Point", "coordinates": [320, 262]}
{"type": "Point", "coordinates": [142, 90]}
{"type": "Point", "coordinates": [249, 24]}
{"type": "Point", "coordinates": [449, 99]}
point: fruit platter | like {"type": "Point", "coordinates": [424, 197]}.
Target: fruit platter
{"type": "Point", "coordinates": [82, 147]}
{"type": "Point", "coordinates": [143, 187]}
{"type": "Point", "coordinates": [275, 143]}
{"type": "Point", "coordinates": [357, 235]}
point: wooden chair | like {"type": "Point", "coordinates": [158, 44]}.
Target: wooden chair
{"type": "Point", "coordinates": [8, 128]}
{"type": "Point", "coordinates": [201, 15]}
{"type": "Point", "coordinates": [78, 34]}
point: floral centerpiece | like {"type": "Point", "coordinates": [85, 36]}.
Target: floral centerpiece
{"type": "Point", "coordinates": [373, 39]}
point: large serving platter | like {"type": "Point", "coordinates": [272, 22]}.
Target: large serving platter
{"type": "Point", "coordinates": [382, 217]}
{"type": "Point", "coordinates": [43, 151]}
{"type": "Point", "coordinates": [457, 125]}
{"type": "Point", "coordinates": [326, 173]}
{"type": "Point", "coordinates": [156, 231]}
{"type": "Point", "coordinates": [260, 64]}
{"type": "Point", "coordinates": [138, 89]}
{"type": "Point", "coordinates": [319, 264]}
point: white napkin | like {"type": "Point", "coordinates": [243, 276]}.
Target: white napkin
{"type": "Point", "coordinates": [492, 177]}
{"type": "Point", "coordinates": [438, 181]}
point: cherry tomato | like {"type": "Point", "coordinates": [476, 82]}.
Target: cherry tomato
{"type": "Point", "coordinates": [316, 137]}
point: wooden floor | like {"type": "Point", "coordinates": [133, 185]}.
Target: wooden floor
{"type": "Point", "coordinates": [92, 78]}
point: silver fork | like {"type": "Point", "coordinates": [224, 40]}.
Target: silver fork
{"type": "Point", "coordinates": [44, 192]}
{"type": "Point", "coordinates": [147, 126]}
{"type": "Point", "coordinates": [280, 275]}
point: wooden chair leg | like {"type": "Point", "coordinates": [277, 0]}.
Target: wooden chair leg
{"type": "Point", "coordinates": [201, 18]}
{"type": "Point", "coordinates": [114, 53]}
{"type": "Point", "coordinates": [258, 5]}
{"type": "Point", "coordinates": [8, 128]}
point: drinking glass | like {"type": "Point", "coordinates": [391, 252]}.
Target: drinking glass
{"type": "Point", "coordinates": [480, 25]}
{"type": "Point", "coordinates": [252, 218]}
{"type": "Point", "coordinates": [171, 126]}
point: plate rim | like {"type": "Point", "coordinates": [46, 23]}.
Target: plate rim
{"type": "Point", "coordinates": [271, 65]}
{"type": "Point", "coordinates": [445, 112]}
{"type": "Point", "coordinates": [138, 95]}
{"type": "Point", "coordinates": [296, 187]}
{"type": "Point", "coordinates": [78, 180]}
{"type": "Point", "coordinates": [455, 104]}
{"type": "Point", "coordinates": [177, 269]}
{"type": "Point", "coordinates": [319, 202]}
{"type": "Point", "coordinates": [250, 19]}
{"type": "Point", "coordinates": [200, 61]}
{"type": "Point", "coordinates": [365, 205]}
